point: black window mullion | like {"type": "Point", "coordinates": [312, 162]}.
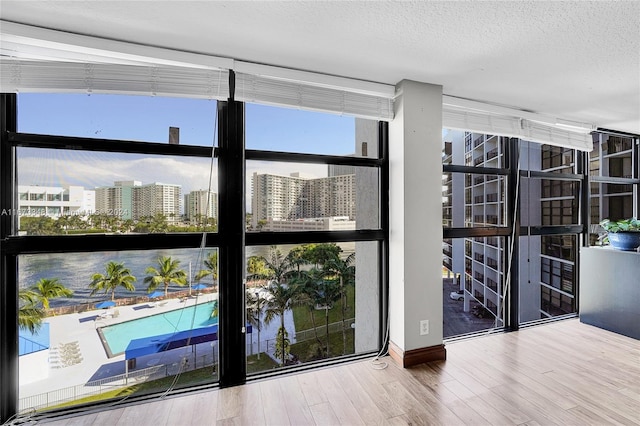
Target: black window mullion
{"type": "Point", "coordinates": [30, 140]}
{"type": "Point", "coordinates": [87, 243]}
{"type": "Point", "coordinates": [293, 157]}
{"type": "Point", "coordinates": [383, 248]}
{"type": "Point", "coordinates": [231, 228]}
{"type": "Point", "coordinates": [8, 266]}
{"type": "Point", "coordinates": [513, 220]}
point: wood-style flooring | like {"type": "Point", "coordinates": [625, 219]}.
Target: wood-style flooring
{"type": "Point", "coordinates": [562, 373]}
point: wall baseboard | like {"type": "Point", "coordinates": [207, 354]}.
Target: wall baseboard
{"type": "Point", "coordinates": [417, 356]}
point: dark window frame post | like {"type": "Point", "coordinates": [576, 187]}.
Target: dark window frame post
{"type": "Point", "coordinates": [231, 229]}
{"type": "Point", "coordinates": [8, 265]}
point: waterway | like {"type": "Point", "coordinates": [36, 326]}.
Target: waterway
{"type": "Point", "coordinates": [74, 270]}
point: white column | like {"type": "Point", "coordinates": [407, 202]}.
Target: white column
{"type": "Point", "coordinates": [416, 216]}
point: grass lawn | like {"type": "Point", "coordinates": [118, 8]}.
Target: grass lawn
{"type": "Point", "coordinates": [255, 365]}
{"type": "Point", "coordinates": [308, 350]}
{"type": "Point", "coordinates": [302, 317]}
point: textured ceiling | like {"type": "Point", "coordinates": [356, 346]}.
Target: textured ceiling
{"type": "Point", "coordinates": [576, 60]}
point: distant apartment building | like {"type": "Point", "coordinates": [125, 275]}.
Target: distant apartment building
{"type": "Point", "coordinates": [55, 201]}
{"type": "Point", "coordinates": [200, 204]}
{"type": "Point", "coordinates": [294, 197]}
{"type": "Point", "coordinates": [478, 200]}
{"type": "Point", "coordinates": [311, 224]}
{"type": "Point", "coordinates": [117, 200]}
{"type": "Point", "coordinates": [133, 200]}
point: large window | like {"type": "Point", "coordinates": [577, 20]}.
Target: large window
{"type": "Point", "coordinates": [310, 300]}
{"type": "Point", "coordinates": [613, 171]}
{"type": "Point", "coordinates": [115, 246]}
{"type": "Point", "coordinates": [145, 252]}
{"type": "Point", "coordinates": [532, 275]}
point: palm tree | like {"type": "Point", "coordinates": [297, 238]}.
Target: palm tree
{"type": "Point", "coordinates": [298, 257]}
{"type": "Point", "coordinates": [63, 223]}
{"type": "Point", "coordinates": [158, 223]}
{"type": "Point", "coordinates": [50, 288]}
{"type": "Point", "coordinates": [127, 225]}
{"type": "Point", "coordinates": [256, 268]}
{"type": "Point", "coordinates": [345, 272]}
{"type": "Point", "coordinates": [328, 292]}
{"type": "Point", "coordinates": [42, 225]}
{"type": "Point", "coordinates": [116, 276]}
{"type": "Point", "coordinates": [319, 254]}
{"type": "Point", "coordinates": [281, 298]}
{"type": "Point", "coordinates": [29, 314]}
{"type": "Point", "coordinates": [278, 266]}
{"type": "Point", "coordinates": [254, 312]}
{"type": "Point", "coordinates": [211, 264]}
{"type": "Point", "coordinates": [168, 272]}
{"type": "Point", "coordinates": [307, 283]}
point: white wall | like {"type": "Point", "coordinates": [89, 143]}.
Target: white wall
{"type": "Point", "coordinates": [415, 284]}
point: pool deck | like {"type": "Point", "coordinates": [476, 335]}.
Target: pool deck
{"type": "Point", "coordinates": [77, 354]}
{"type": "Point", "coordinates": [88, 359]}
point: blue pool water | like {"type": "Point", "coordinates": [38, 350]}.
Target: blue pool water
{"type": "Point", "coordinates": [118, 336]}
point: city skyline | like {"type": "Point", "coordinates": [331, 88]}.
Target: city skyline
{"type": "Point", "coordinates": [148, 119]}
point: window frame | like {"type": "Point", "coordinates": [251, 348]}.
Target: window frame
{"type": "Point", "coordinates": [230, 240]}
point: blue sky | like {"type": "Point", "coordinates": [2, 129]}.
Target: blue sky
{"type": "Point", "coordinates": [148, 119]}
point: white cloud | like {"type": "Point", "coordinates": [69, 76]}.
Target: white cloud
{"type": "Point", "coordinates": [95, 169]}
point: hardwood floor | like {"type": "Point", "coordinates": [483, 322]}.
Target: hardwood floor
{"type": "Point", "coordinates": [563, 373]}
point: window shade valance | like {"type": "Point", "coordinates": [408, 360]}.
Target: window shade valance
{"type": "Point", "coordinates": [474, 116]}
{"type": "Point", "coordinates": [50, 76]}
{"type": "Point", "coordinates": [275, 91]}
{"type": "Point", "coordinates": [39, 60]}
{"type": "Point", "coordinates": [36, 59]}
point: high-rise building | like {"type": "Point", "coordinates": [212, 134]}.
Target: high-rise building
{"type": "Point", "coordinates": [478, 200]}
{"type": "Point", "coordinates": [200, 204]}
{"type": "Point", "coordinates": [117, 200]}
{"type": "Point", "coordinates": [295, 197]}
{"type": "Point", "coordinates": [132, 200]}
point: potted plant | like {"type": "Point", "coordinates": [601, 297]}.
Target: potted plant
{"type": "Point", "coordinates": [623, 234]}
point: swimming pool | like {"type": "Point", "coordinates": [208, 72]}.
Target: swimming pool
{"type": "Point", "coordinates": [117, 337]}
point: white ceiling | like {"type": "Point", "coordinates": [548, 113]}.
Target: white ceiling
{"type": "Point", "coordinates": [576, 60]}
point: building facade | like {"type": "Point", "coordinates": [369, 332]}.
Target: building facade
{"type": "Point", "coordinates": [55, 201]}
{"type": "Point", "coordinates": [477, 200]}
{"type": "Point", "coordinates": [293, 197]}
{"type": "Point", "coordinates": [200, 204]}
{"type": "Point", "coordinates": [132, 200]}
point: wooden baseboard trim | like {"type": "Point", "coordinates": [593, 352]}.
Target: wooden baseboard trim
{"type": "Point", "coordinates": [417, 356]}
